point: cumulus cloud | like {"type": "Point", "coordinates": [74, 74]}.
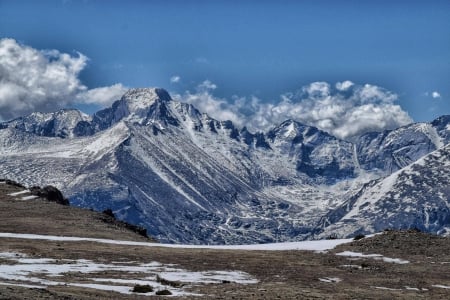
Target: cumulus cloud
{"type": "Point", "coordinates": [175, 79]}
{"type": "Point", "coordinates": [435, 95]}
{"type": "Point", "coordinates": [343, 86]}
{"type": "Point", "coordinates": [43, 80]}
{"type": "Point", "coordinates": [347, 111]}
{"type": "Point", "coordinates": [216, 107]}
{"type": "Point", "coordinates": [102, 96]}
{"type": "Point", "coordinates": [206, 86]}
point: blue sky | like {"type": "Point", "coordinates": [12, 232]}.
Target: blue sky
{"type": "Point", "coordinates": [249, 48]}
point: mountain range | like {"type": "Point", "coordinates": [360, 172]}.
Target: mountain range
{"type": "Point", "coordinates": [187, 177]}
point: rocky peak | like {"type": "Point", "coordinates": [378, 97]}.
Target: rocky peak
{"type": "Point", "coordinates": [141, 98]}
{"type": "Point", "coordinates": [293, 131]}
{"type": "Point", "coordinates": [144, 106]}
{"type": "Point", "coordinates": [61, 123]}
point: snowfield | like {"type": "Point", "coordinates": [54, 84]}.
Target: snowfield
{"type": "Point", "coordinates": [320, 245]}
{"type": "Point", "coordinates": [38, 271]}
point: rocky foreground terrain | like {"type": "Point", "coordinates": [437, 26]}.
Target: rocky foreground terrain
{"type": "Point", "coordinates": [390, 265]}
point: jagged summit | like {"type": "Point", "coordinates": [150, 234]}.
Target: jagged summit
{"type": "Point", "coordinates": [145, 106]}
{"type": "Point", "coordinates": [139, 100]}
{"type": "Point", "coordinates": [145, 96]}
{"type": "Point", "coordinates": [61, 123]}
{"type": "Point", "coordinates": [294, 130]}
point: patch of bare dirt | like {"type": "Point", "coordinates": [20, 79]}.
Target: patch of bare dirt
{"type": "Point", "coordinates": [44, 217]}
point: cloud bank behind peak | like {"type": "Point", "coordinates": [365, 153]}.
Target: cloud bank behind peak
{"type": "Point", "coordinates": [46, 80]}
{"type": "Point", "coordinates": [345, 110]}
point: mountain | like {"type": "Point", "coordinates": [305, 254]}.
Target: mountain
{"type": "Point", "coordinates": [416, 196]}
{"type": "Point", "coordinates": [392, 150]}
{"type": "Point", "coordinates": [63, 123]}
{"type": "Point", "coordinates": [187, 177]}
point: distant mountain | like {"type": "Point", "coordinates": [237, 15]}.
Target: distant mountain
{"type": "Point", "coordinates": [416, 196]}
{"type": "Point", "coordinates": [394, 149]}
{"type": "Point", "coordinates": [63, 123]}
{"type": "Point", "coordinates": [187, 177]}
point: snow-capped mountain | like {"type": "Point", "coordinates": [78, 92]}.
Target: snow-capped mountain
{"type": "Point", "coordinates": [63, 123]}
{"type": "Point", "coordinates": [416, 196]}
{"type": "Point", "coordinates": [392, 150]}
{"type": "Point", "coordinates": [189, 178]}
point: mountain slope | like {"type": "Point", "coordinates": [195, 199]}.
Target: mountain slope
{"type": "Point", "coordinates": [392, 150]}
{"type": "Point", "coordinates": [417, 196]}
{"type": "Point", "coordinates": [63, 123]}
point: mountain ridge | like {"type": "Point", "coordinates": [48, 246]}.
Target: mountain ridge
{"type": "Point", "coordinates": [187, 177]}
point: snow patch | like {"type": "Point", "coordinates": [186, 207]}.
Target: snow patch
{"type": "Point", "coordinates": [441, 286]}
{"type": "Point", "coordinates": [19, 193]}
{"type": "Point", "coordinates": [386, 288]}
{"type": "Point", "coordinates": [330, 279]}
{"type": "Point", "coordinates": [31, 197]}
{"type": "Point", "coordinates": [319, 245]}
{"type": "Point", "coordinates": [373, 256]}
{"type": "Point", "coordinates": [36, 270]}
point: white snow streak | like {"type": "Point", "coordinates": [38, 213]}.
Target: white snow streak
{"type": "Point", "coordinates": [441, 286]}
{"type": "Point", "coordinates": [19, 193]}
{"type": "Point", "coordinates": [318, 245]}
{"type": "Point", "coordinates": [330, 279]}
{"type": "Point", "coordinates": [25, 198]}
{"type": "Point", "coordinates": [373, 256]}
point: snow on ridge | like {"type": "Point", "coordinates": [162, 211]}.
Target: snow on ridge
{"type": "Point", "coordinates": [318, 245]}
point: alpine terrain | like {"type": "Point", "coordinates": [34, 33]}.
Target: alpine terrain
{"type": "Point", "coordinates": [187, 177]}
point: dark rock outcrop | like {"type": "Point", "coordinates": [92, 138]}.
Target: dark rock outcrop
{"type": "Point", "coordinates": [50, 193]}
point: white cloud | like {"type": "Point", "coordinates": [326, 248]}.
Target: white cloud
{"type": "Point", "coordinates": [102, 96]}
{"type": "Point", "coordinates": [43, 80]}
{"type": "Point", "coordinates": [204, 101]}
{"type": "Point", "coordinates": [206, 86]}
{"type": "Point", "coordinates": [343, 112]}
{"type": "Point", "coordinates": [435, 95]}
{"type": "Point", "coordinates": [317, 89]}
{"type": "Point", "coordinates": [345, 85]}
{"type": "Point", "coordinates": [175, 79]}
